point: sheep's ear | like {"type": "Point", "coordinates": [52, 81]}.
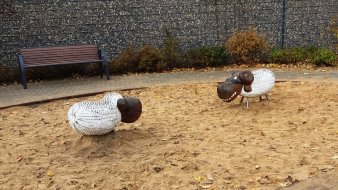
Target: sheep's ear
{"type": "Point", "coordinates": [121, 104]}
{"type": "Point", "coordinates": [246, 77]}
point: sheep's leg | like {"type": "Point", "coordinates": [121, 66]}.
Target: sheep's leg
{"type": "Point", "coordinates": [247, 102]}
{"type": "Point", "coordinates": [113, 133]}
{"type": "Point", "coordinates": [267, 97]}
{"type": "Point", "coordinates": [241, 100]}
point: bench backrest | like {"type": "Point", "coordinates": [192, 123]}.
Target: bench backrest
{"type": "Point", "coordinates": [60, 55]}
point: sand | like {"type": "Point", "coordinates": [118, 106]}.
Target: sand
{"type": "Point", "coordinates": [186, 138]}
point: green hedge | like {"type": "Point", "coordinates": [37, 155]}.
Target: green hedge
{"type": "Point", "coordinates": [151, 59]}
{"type": "Point", "coordinates": [204, 56]}
{"type": "Point", "coordinates": [314, 55]}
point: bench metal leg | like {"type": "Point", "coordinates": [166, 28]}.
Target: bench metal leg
{"type": "Point", "coordinates": [107, 70]}
{"type": "Point", "coordinates": [22, 72]}
{"type": "Point", "coordinates": [100, 70]}
{"type": "Point", "coordinates": [23, 78]}
{"type": "Point", "coordinates": [104, 57]}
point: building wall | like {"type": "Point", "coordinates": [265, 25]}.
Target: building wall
{"type": "Point", "coordinates": [115, 24]}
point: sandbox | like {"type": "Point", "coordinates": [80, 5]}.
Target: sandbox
{"type": "Point", "coordinates": [186, 138]}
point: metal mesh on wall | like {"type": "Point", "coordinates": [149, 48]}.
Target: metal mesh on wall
{"type": "Point", "coordinates": [114, 24]}
{"type": "Point", "coordinates": [307, 22]}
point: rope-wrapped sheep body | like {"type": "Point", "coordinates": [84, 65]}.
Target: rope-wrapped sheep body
{"type": "Point", "coordinates": [95, 118]}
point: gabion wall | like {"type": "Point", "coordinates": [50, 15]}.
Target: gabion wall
{"type": "Point", "coordinates": [115, 24]}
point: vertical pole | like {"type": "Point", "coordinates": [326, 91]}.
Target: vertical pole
{"type": "Point", "coordinates": [282, 40]}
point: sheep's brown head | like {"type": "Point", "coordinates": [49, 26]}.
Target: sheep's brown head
{"type": "Point", "coordinates": [232, 87]}
{"type": "Point", "coordinates": [130, 108]}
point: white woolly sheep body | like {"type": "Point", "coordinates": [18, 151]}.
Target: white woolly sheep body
{"type": "Point", "coordinates": [95, 118]}
{"type": "Point", "coordinates": [264, 81]}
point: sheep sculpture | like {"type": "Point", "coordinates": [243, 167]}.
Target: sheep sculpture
{"type": "Point", "coordinates": [247, 84]}
{"type": "Point", "coordinates": [98, 118]}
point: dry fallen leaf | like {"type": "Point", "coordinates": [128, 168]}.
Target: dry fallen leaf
{"type": "Point", "coordinates": [19, 158]}
{"type": "Point", "coordinates": [204, 186]}
{"type": "Point", "coordinates": [50, 173]}
{"type": "Point", "coordinates": [198, 178]}
{"type": "Point", "coordinates": [335, 157]}
{"type": "Point", "coordinates": [210, 177]}
{"type": "Point", "coordinates": [264, 180]}
{"type": "Point", "coordinates": [326, 168]}
{"type": "Point", "coordinates": [284, 184]}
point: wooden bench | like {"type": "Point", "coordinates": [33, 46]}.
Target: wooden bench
{"type": "Point", "coordinates": [51, 56]}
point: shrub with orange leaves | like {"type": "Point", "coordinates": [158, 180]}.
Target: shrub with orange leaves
{"type": "Point", "coordinates": [247, 47]}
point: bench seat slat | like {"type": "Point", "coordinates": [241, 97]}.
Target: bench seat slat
{"type": "Point", "coordinates": [29, 62]}
{"type": "Point", "coordinates": [55, 53]}
{"type": "Point", "coordinates": [58, 52]}
{"type": "Point", "coordinates": [83, 47]}
{"type": "Point", "coordinates": [59, 61]}
{"type": "Point", "coordinates": [37, 64]}
{"type": "Point", "coordinates": [32, 59]}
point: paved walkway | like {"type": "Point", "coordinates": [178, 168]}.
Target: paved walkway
{"type": "Point", "coordinates": [13, 95]}
{"type": "Point", "coordinates": [325, 181]}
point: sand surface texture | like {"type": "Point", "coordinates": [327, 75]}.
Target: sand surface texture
{"type": "Point", "coordinates": [186, 138]}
